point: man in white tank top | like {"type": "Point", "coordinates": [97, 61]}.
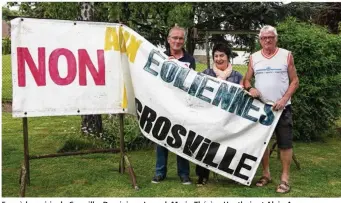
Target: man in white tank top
{"type": "Point", "coordinates": [275, 81]}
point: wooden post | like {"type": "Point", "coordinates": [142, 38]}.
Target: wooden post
{"type": "Point", "coordinates": [131, 173]}
{"type": "Point", "coordinates": [207, 50]}
{"type": "Point", "coordinates": [26, 153]}
{"type": "Point", "coordinates": [298, 165]}
{"type": "Point", "coordinates": [93, 151]}
{"type": "Point", "coordinates": [23, 178]}
{"type": "Point", "coordinates": [121, 143]}
{"type": "Point", "coordinates": [273, 147]}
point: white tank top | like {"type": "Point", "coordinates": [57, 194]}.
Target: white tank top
{"type": "Point", "coordinates": [271, 74]}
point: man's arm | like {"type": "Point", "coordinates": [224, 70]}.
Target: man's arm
{"type": "Point", "coordinates": [248, 76]}
{"type": "Point", "coordinates": [294, 83]}
{"type": "Point", "coordinates": [247, 81]}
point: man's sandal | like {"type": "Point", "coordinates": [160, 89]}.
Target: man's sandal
{"type": "Point", "coordinates": [263, 181]}
{"type": "Point", "coordinates": [283, 187]}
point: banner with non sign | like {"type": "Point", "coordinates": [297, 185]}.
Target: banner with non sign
{"type": "Point", "coordinates": [70, 68]}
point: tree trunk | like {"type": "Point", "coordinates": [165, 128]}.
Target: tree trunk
{"type": "Point", "coordinates": [190, 44]}
{"type": "Point", "coordinates": [192, 34]}
{"type": "Point", "coordinates": [91, 124]}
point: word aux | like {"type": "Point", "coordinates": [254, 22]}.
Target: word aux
{"type": "Point", "coordinates": [116, 40]}
{"type": "Point", "coordinates": [74, 66]}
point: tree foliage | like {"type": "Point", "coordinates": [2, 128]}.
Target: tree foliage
{"type": "Point", "coordinates": [330, 15]}
{"type": "Point", "coordinates": [153, 19]}
{"type": "Point", "coordinates": [6, 46]}
{"type": "Point", "coordinates": [49, 10]}
{"type": "Point", "coordinates": [317, 56]}
{"type": "Point", "coordinates": [325, 14]}
{"type": "Point", "coordinates": [238, 16]}
{"type": "Point", "coordinates": [7, 13]}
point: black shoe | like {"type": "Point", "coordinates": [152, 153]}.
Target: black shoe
{"type": "Point", "coordinates": [202, 181]}
{"type": "Point", "coordinates": [185, 180]}
{"type": "Point", "coordinates": [157, 179]}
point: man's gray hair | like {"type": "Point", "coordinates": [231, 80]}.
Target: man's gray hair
{"type": "Point", "coordinates": [176, 27]}
{"type": "Point", "coordinates": [267, 28]}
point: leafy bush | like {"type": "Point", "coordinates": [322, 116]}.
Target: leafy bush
{"type": "Point", "coordinates": [317, 55]}
{"type": "Point", "coordinates": [133, 138]}
{"type": "Point", "coordinates": [6, 46]}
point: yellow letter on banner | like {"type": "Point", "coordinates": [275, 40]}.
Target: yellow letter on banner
{"type": "Point", "coordinates": [125, 98]}
{"type": "Point", "coordinates": [133, 46]}
{"type": "Point", "coordinates": [111, 39]}
{"type": "Point", "coordinates": [122, 41]}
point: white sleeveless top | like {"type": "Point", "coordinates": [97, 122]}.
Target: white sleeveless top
{"type": "Point", "coordinates": [271, 74]}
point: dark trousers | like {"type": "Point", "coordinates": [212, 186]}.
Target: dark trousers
{"type": "Point", "coordinates": [202, 172]}
{"type": "Point", "coordinates": [161, 163]}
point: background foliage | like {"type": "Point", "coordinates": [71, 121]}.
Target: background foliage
{"type": "Point", "coordinates": [153, 19]}
{"type": "Point", "coordinates": [6, 46]}
{"type": "Point", "coordinates": [317, 54]}
{"type": "Point", "coordinates": [133, 138]}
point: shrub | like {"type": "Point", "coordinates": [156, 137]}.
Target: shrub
{"type": "Point", "coordinates": [6, 46]}
{"type": "Point", "coordinates": [317, 55]}
{"type": "Point", "coordinates": [133, 138]}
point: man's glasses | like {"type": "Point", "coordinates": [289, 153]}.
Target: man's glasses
{"type": "Point", "coordinates": [177, 38]}
{"type": "Point", "coordinates": [268, 38]}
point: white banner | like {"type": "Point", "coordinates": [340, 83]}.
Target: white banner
{"type": "Point", "coordinates": [57, 71]}
{"type": "Point", "coordinates": [62, 68]}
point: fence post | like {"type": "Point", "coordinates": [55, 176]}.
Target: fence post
{"type": "Point", "coordinates": [26, 153]}
{"type": "Point", "coordinates": [121, 142]}
{"type": "Point", "coordinates": [207, 50]}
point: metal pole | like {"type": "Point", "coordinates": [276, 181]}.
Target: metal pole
{"type": "Point", "coordinates": [121, 143]}
{"type": "Point", "coordinates": [207, 50]}
{"type": "Point", "coordinates": [26, 154]}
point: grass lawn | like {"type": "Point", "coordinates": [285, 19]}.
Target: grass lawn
{"type": "Point", "coordinates": [97, 175]}
{"type": "Point", "coordinates": [240, 68]}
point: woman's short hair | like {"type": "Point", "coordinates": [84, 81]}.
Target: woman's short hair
{"type": "Point", "coordinates": [222, 48]}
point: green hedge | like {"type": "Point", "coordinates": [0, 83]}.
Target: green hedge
{"type": "Point", "coordinates": [6, 46]}
{"type": "Point", "coordinates": [317, 55]}
{"type": "Point", "coordinates": [133, 138]}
